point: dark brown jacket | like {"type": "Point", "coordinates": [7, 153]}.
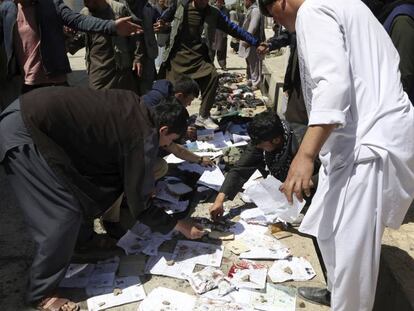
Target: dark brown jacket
{"type": "Point", "coordinates": [100, 143]}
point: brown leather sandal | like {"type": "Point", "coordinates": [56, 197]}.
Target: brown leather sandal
{"type": "Point", "coordinates": [57, 304]}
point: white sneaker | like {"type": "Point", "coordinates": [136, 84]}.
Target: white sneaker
{"type": "Point", "coordinates": [207, 123]}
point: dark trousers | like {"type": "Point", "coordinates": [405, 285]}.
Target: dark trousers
{"type": "Point", "coordinates": [222, 57]}
{"type": "Point", "coordinates": [208, 86]}
{"type": "Point", "coordinates": [52, 214]}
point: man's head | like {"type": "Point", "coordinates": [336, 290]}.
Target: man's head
{"type": "Point", "coordinates": [162, 3]}
{"type": "Point", "coordinates": [248, 3]}
{"type": "Point", "coordinates": [220, 3]}
{"type": "Point", "coordinates": [200, 4]}
{"type": "Point", "coordinates": [266, 131]}
{"type": "Point", "coordinates": [172, 121]}
{"type": "Point", "coordinates": [94, 5]}
{"type": "Point", "coordinates": [185, 90]}
{"type": "Point", "coordinates": [283, 11]}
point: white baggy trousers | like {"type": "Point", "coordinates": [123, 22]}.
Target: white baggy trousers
{"type": "Point", "coordinates": [352, 253]}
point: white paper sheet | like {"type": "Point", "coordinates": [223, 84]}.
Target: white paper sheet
{"type": "Point", "coordinates": [212, 178]}
{"type": "Point", "coordinates": [132, 290]}
{"type": "Point", "coordinates": [267, 196]}
{"type": "Point", "coordinates": [198, 253]}
{"type": "Point", "coordinates": [256, 278]}
{"type": "Point", "coordinates": [253, 179]}
{"type": "Point", "coordinates": [237, 138]}
{"type": "Point", "coordinates": [220, 141]}
{"type": "Point", "coordinates": [274, 298]}
{"type": "Point", "coordinates": [295, 268]}
{"type": "Point", "coordinates": [162, 299]}
{"type": "Point", "coordinates": [158, 265]}
{"type": "Point", "coordinates": [97, 280]}
{"type": "Point", "coordinates": [263, 253]}
{"type": "Point", "coordinates": [256, 216]}
{"type": "Point", "coordinates": [141, 239]}
{"type": "Point", "coordinates": [205, 280]}
{"type": "Point", "coordinates": [206, 304]}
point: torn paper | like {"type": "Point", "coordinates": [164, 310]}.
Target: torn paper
{"type": "Point", "coordinates": [274, 298]}
{"type": "Point", "coordinates": [263, 253]}
{"type": "Point", "coordinates": [253, 179]}
{"type": "Point", "coordinates": [267, 196]}
{"type": "Point", "coordinates": [140, 238]}
{"type": "Point", "coordinates": [205, 280]}
{"type": "Point", "coordinates": [162, 299]}
{"type": "Point", "coordinates": [198, 253]}
{"type": "Point", "coordinates": [162, 264]}
{"type": "Point", "coordinates": [125, 290]}
{"type": "Point", "coordinates": [294, 268]}
{"type": "Point", "coordinates": [247, 274]}
{"type": "Point", "coordinates": [206, 304]}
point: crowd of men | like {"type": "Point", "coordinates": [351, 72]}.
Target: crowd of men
{"type": "Point", "coordinates": [71, 154]}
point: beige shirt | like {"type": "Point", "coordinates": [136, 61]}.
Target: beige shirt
{"type": "Point", "coordinates": [27, 48]}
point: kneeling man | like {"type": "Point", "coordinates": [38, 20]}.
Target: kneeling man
{"type": "Point", "coordinates": [69, 153]}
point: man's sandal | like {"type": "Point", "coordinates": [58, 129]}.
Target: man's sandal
{"type": "Point", "coordinates": [57, 304]}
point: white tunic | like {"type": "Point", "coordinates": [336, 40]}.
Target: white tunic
{"type": "Point", "coordinates": [350, 77]}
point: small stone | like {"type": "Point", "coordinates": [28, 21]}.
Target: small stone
{"type": "Point", "coordinates": [288, 270]}
{"type": "Point", "coordinates": [302, 305]}
{"type": "Point", "coordinates": [101, 304]}
{"type": "Point", "coordinates": [165, 302]}
{"type": "Point", "coordinates": [117, 291]}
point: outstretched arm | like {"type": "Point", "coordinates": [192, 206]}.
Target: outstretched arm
{"type": "Point", "coordinates": [122, 26]}
{"type": "Point", "coordinates": [235, 31]}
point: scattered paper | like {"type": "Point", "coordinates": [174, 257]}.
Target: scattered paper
{"type": "Point", "coordinates": [294, 268]}
{"type": "Point", "coordinates": [98, 280]}
{"type": "Point", "coordinates": [247, 274]}
{"type": "Point", "coordinates": [125, 290]}
{"type": "Point", "coordinates": [262, 253]}
{"type": "Point", "coordinates": [237, 246]}
{"type": "Point", "coordinates": [162, 299]}
{"type": "Point", "coordinates": [206, 304]}
{"type": "Point", "coordinates": [257, 217]}
{"type": "Point", "coordinates": [205, 280]}
{"type": "Point", "coordinates": [162, 264]}
{"type": "Point", "coordinates": [140, 238]}
{"type": "Point", "coordinates": [253, 179]}
{"type": "Point", "coordinates": [237, 138]}
{"type": "Point", "coordinates": [274, 298]}
{"type": "Point", "coordinates": [267, 196]}
{"type": "Point", "coordinates": [212, 178]}
{"type": "Point", "coordinates": [198, 253]}
{"type": "Point", "coordinates": [205, 134]}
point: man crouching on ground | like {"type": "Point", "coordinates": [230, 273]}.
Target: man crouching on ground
{"type": "Point", "coordinates": [69, 153]}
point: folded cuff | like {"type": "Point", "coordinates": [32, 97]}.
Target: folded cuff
{"type": "Point", "coordinates": [328, 116]}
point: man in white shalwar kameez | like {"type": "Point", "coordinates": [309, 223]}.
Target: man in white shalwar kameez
{"type": "Point", "coordinates": [361, 123]}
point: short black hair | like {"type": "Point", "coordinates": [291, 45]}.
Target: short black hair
{"type": "Point", "coordinates": [263, 9]}
{"type": "Point", "coordinates": [265, 126]}
{"type": "Point", "coordinates": [170, 112]}
{"type": "Point", "coordinates": [187, 86]}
